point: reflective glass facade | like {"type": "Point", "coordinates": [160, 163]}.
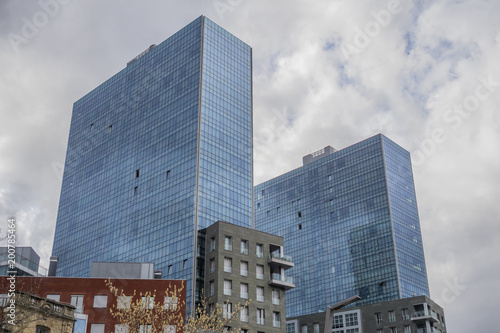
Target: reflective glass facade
{"type": "Point", "coordinates": [156, 153]}
{"type": "Point", "coordinates": [350, 222]}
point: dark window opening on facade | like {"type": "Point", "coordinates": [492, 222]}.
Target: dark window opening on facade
{"type": "Point", "coordinates": [300, 226]}
{"type": "Point", "coordinates": [110, 128]}
{"type": "Point", "coordinates": [91, 126]}
{"type": "Point", "coordinates": [135, 190]}
{"type": "Point", "coordinates": [168, 173]}
{"type": "Point", "coordinates": [137, 173]}
{"type": "Point", "coordinates": [299, 214]}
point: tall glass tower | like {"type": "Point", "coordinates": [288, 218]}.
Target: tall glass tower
{"type": "Point", "coordinates": [157, 152]}
{"type": "Point", "coordinates": [349, 220]}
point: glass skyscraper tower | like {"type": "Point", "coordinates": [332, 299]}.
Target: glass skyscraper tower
{"type": "Point", "coordinates": [157, 152]}
{"type": "Point", "coordinates": [349, 220]}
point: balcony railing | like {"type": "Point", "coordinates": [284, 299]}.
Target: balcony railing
{"type": "Point", "coordinates": [260, 298]}
{"type": "Point", "coordinates": [281, 257]}
{"type": "Point", "coordinates": [244, 272]}
{"type": "Point", "coordinates": [260, 276]}
{"type": "Point", "coordinates": [281, 281]}
{"type": "Point", "coordinates": [244, 295]}
{"type": "Point", "coordinates": [276, 323]}
{"type": "Point", "coordinates": [276, 301]}
{"type": "Point", "coordinates": [282, 278]}
{"type": "Point", "coordinates": [228, 269]}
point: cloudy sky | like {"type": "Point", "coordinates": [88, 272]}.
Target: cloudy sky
{"type": "Point", "coordinates": [326, 72]}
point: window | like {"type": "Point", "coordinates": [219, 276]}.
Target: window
{"type": "Point", "coordinates": [97, 328]}
{"type": "Point", "coordinates": [91, 126]}
{"type": "Point", "coordinates": [338, 321]}
{"type": "Point", "coordinates": [244, 268]}
{"type": "Point", "coordinates": [244, 314]}
{"type": "Point", "coordinates": [259, 251]}
{"type": "Point", "coordinates": [42, 329]}
{"type": "Point", "coordinates": [316, 327]}
{"type": "Point", "coordinates": [228, 265]}
{"type": "Point", "coordinates": [168, 174]}
{"type": "Point", "coordinates": [110, 128]}
{"type": "Point", "coordinates": [405, 314]}
{"type": "Point", "coordinates": [121, 328]}
{"type": "Point", "coordinates": [260, 294]}
{"type": "Point", "coordinates": [244, 290]}
{"type": "Point", "coordinates": [145, 329]}
{"type": "Point", "coordinates": [299, 214]}
{"type": "Point", "coordinates": [212, 244]}
{"type": "Point", "coordinates": [260, 316]}
{"type": "Point", "coordinates": [260, 272]}
{"type": "Point", "coordinates": [148, 302]}
{"type": "Point", "coordinates": [300, 226]}
{"type": "Point", "coordinates": [303, 329]}
{"type": "Point", "coordinates": [123, 302]}
{"type": "Point", "coordinates": [169, 329]}
{"type": "Point", "coordinates": [380, 331]}
{"type": "Point", "coordinates": [351, 319]}
{"type": "Point", "coordinates": [392, 316]}
{"type": "Point", "coordinates": [100, 301]}
{"type": "Point", "coordinates": [290, 327]}
{"type": "Point", "coordinates": [407, 329]}
{"type": "Point", "coordinates": [276, 319]}
{"type": "Point", "coordinates": [352, 330]}
{"type": "Point", "coordinates": [276, 297]}
{"type": "Point", "coordinates": [77, 301]}
{"type": "Point", "coordinates": [169, 270]}
{"type": "Point", "coordinates": [136, 189]}
{"type": "Point", "coordinates": [244, 247]}
{"type": "Point", "coordinates": [228, 243]}
{"type": "Point", "coordinates": [54, 297]}
{"type": "Point", "coordinates": [378, 317]}
{"type": "Point", "coordinates": [137, 173]}
{"type": "Point", "coordinates": [212, 288]}
{"type": "Point", "coordinates": [228, 286]}
{"type": "Point", "coordinates": [171, 302]}
{"type": "Point", "coordinates": [227, 310]}
{"type": "Point", "coordinates": [394, 330]}
{"type": "Point", "coordinates": [212, 266]}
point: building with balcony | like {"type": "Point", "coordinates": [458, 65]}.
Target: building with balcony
{"type": "Point", "coordinates": [349, 218]}
{"type": "Point", "coordinates": [243, 264]}
{"type": "Point", "coordinates": [91, 299]}
{"type": "Point", "coordinates": [417, 314]}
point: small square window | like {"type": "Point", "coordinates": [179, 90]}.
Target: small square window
{"type": "Point", "coordinates": [54, 297]}
{"type": "Point", "coordinates": [97, 328]}
{"type": "Point", "coordinates": [100, 301]}
{"type": "Point", "coordinates": [123, 302]}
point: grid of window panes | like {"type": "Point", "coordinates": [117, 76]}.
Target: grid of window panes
{"type": "Point", "coordinates": [225, 190]}
{"type": "Point", "coordinates": [408, 239]}
{"type": "Point", "coordinates": [129, 183]}
{"type": "Point", "coordinates": [334, 216]}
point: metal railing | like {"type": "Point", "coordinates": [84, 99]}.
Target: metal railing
{"type": "Point", "coordinates": [282, 278]}
{"type": "Point", "coordinates": [280, 257]}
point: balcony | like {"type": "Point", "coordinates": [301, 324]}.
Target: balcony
{"type": "Point", "coordinates": [277, 260]}
{"type": "Point", "coordinates": [282, 281]}
{"type": "Point", "coordinates": [422, 316]}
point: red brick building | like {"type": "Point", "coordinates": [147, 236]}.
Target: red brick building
{"type": "Point", "coordinates": [93, 298]}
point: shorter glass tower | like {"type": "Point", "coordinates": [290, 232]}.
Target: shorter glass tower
{"type": "Point", "coordinates": [349, 219]}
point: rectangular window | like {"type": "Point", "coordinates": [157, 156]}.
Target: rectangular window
{"type": "Point", "coordinates": [121, 328]}
{"type": "Point", "coordinates": [228, 287]}
{"type": "Point", "coordinates": [110, 128]}
{"type": "Point", "coordinates": [380, 330]}
{"type": "Point", "coordinates": [227, 310]}
{"type": "Point", "coordinates": [299, 214]}
{"type": "Point", "coordinates": [276, 319]}
{"type": "Point", "coordinates": [338, 321]}
{"type": "Point", "coordinates": [212, 266]}
{"type": "Point", "coordinates": [394, 330]}
{"type": "Point", "coordinates": [259, 272]}
{"type": "Point", "coordinates": [77, 301]}
{"type": "Point", "coordinates": [260, 316]}
{"type": "Point", "coordinates": [244, 314]}
{"type": "Point", "coordinates": [171, 302]}
{"type": "Point", "coordinates": [169, 329]}
{"type": "Point", "coordinates": [244, 268]}
{"type": "Point", "coordinates": [228, 265]}
{"type": "Point", "coordinates": [407, 329]}
{"type": "Point", "coordinates": [276, 297]}
{"type": "Point", "coordinates": [54, 297]}
{"type": "Point", "coordinates": [259, 251]}
{"type": "Point", "coordinates": [244, 290]}
{"type": "Point", "coordinates": [145, 329]}
{"type": "Point", "coordinates": [260, 294]}
{"type": "Point", "coordinates": [244, 247]}
{"type": "Point", "coordinates": [392, 316]}
{"type": "Point", "coordinates": [316, 327]}
{"type": "Point", "coordinates": [136, 189]}
{"type": "Point", "coordinates": [123, 302]}
{"type": "Point", "coordinates": [168, 174]}
{"type": "Point", "coordinates": [303, 329]}
{"type": "Point", "coordinates": [228, 243]}
{"type": "Point", "coordinates": [97, 328]}
{"type": "Point", "coordinates": [212, 244]}
{"type": "Point", "coordinates": [100, 301]}
{"type": "Point", "coordinates": [405, 314]}
{"type": "Point", "coordinates": [378, 317]}
{"type": "Point", "coordinates": [212, 288]}
{"type": "Point", "coordinates": [148, 302]}
{"type": "Point", "coordinates": [351, 319]}
{"type": "Point", "coordinates": [137, 173]}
